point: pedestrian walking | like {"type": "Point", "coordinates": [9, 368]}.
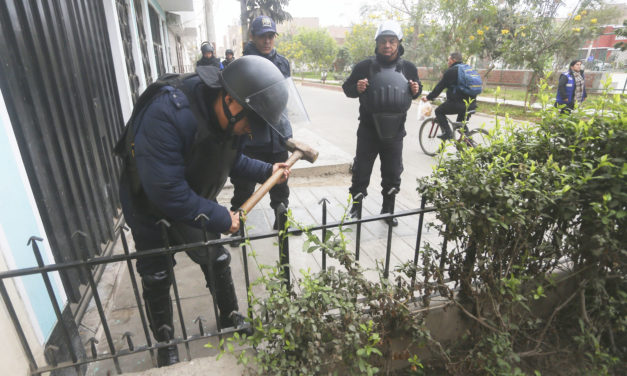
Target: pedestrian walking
{"type": "Point", "coordinates": [571, 87]}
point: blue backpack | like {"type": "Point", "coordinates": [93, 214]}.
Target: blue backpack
{"type": "Point", "coordinates": [468, 80]}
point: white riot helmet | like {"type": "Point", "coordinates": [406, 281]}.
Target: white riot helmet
{"type": "Point", "coordinates": [389, 27]}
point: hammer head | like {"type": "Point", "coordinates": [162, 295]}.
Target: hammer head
{"type": "Point", "coordinates": [309, 154]}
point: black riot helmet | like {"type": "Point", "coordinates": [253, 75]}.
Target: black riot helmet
{"type": "Point", "coordinates": [259, 86]}
{"type": "Point", "coordinates": [268, 98]}
{"type": "Point", "coordinates": [206, 47]}
{"type": "Point", "coordinates": [229, 51]}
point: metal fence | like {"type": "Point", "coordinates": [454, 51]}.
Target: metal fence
{"type": "Point", "coordinates": [86, 261]}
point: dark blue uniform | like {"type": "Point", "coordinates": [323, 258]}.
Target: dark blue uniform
{"type": "Point", "coordinates": [182, 167]}
{"type": "Point", "coordinates": [177, 159]}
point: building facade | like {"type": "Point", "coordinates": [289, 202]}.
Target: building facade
{"type": "Point", "coordinates": [69, 76]}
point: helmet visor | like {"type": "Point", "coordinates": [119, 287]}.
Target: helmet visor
{"type": "Point", "coordinates": [280, 106]}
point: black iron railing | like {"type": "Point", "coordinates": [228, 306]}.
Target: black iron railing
{"type": "Point", "coordinates": [87, 262]}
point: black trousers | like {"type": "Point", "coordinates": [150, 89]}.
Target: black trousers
{"type": "Point", "coordinates": [244, 188]}
{"type": "Point", "coordinates": [369, 146]}
{"type": "Point", "coordinates": [450, 108]}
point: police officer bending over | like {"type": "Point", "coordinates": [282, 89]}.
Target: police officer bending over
{"type": "Point", "coordinates": [455, 100]}
{"type": "Point", "coordinates": [385, 85]}
{"type": "Point", "coordinates": [182, 142]}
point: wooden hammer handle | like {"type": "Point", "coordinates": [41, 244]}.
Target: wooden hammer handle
{"type": "Point", "coordinates": [270, 183]}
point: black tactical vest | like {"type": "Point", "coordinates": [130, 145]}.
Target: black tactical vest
{"type": "Point", "coordinates": [388, 98]}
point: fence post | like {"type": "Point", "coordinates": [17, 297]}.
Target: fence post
{"type": "Point", "coordinates": [388, 252]}
{"type": "Point", "coordinates": [284, 245]}
{"type": "Point", "coordinates": [212, 279]}
{"type": "Point", "coordinates": [358, 197]}
{"type": "Point", "coordinates": [165, 225]}
{"type": "Point", "coordinates": [53, 300]}
{"type": "Point", "coordinates": [84, 255]}
{"type": "Point", "coordinates": [131, 272]}
{"type": "Point", "coordinates": [421, 216]}
{"type": "Point", "coordinates": [324, 202]}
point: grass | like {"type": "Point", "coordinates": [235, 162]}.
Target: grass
{"type": "Point", "coordinates": [514, 112]}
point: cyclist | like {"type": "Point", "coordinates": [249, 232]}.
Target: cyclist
{"type": "Point", "coordinates": [455, 99]}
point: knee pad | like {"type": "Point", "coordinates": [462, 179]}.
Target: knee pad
{"type": "Point", "coordinates": [222, 259]}
{"type": "Point", "coordinates": [156, 284]}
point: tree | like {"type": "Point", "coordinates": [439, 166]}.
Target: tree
{"type": "Point", "coordinates": [437, 28]}
{"type": "Point", "coordinates": [250, 9]}
{"type": "Point", "coordinates": [360, 41]}
{"type": "Point", "coordinates": [292, 49]}
{"type": "Point", "coordinates": [319, 47]}
{"type": "Point", "coordinates": [536, 39]}
{"type": "Point", "coordinates": [621, 31]}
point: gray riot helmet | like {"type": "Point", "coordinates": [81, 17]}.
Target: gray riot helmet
{"type": "Point", "coordinates": [206, 47]}
{"type": "Point", "coordinates": [259, 86]}
{"type": "Point", "coordinates": [389, 98]}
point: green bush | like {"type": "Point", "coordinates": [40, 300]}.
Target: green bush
{"type": "Point", "coordinates": [537, 200]}
{"type": "Point", "coordinates": [335, 322]}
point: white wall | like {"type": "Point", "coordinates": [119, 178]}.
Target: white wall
{"type": "Point", "coordinates": [119, 60]}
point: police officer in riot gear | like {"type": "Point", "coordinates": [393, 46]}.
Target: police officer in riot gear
{"type": "Point", "coordinates": [385, 85]}
{"type": "Point", "coordinates": [208, 56]}
{"type": "Point", "coordinates": [229, 57]}
{"type": "Point", "coordinates": [262, 37]}
{"type": "Point", "coordinates": [183, 140]}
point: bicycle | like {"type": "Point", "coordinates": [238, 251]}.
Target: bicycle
{"type": "Point", "coordinates": [430, 130]}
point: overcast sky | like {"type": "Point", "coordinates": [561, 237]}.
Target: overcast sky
{"type": "Point", "coordinates": [330, 12]}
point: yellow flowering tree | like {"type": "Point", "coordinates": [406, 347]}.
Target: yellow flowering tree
{"type": "Point", "coordinates": [360, 41]}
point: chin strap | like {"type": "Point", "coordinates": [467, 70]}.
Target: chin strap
{"type": "Point", "coordinates": [232, 118]}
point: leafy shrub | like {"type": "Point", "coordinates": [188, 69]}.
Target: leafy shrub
{"type": "Point", "coordinates": [539, 199]}
{"type": "Point", "coordinates": [335, 321]}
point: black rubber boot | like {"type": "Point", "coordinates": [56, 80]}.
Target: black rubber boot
{"type": "Point", "coordinates": [156, 295]}
{"type": "Point", "coordinates": [225, 295]}
{"type": "Point", "coordinates": [388, 207]}
{"type": "Point", "coordinates": [356, 207]}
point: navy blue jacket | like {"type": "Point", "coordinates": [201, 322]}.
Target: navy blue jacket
{"type": "Point", "coordinates": [276, 144]}
{"type": "Point", "coordinates": [566, 88]}
{"type": "Point", "coordinates": [175, 167]}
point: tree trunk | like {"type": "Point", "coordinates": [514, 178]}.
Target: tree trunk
{"type": "Point", "coordinates": [244, 21]}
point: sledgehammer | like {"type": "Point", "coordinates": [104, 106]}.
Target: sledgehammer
{"type": "Point", "coordinates": [299, 151]}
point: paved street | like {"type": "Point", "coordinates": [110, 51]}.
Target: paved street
{"type": "Point", "coordinates": [333, 131]}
